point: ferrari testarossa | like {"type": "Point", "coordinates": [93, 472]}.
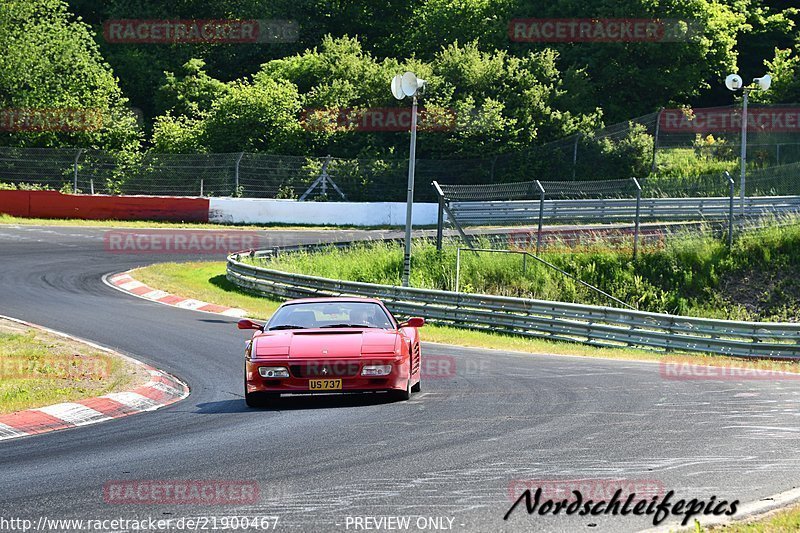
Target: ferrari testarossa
{"type": "Point", "coordinates": [325, 345]}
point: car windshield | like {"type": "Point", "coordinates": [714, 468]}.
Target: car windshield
{"type": "Point", "coordinates": [330, 315]}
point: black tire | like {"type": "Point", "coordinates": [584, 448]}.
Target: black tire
{"type": "Point", "coordinates": [403, 395]}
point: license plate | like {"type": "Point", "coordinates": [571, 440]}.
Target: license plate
{"type": "Point", "coordinates": [324, 384]}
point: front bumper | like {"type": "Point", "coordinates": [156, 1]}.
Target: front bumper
{"type": "Point", "coordinates": [348, 370]}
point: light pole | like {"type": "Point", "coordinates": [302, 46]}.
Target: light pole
{"type": "Point", "coordinates": [734, 83]}
{"type": "Point", "coordinates": [409, 85]}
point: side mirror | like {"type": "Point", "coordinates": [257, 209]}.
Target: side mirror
{"type": "Point", "coordinates": [413, 322]}
{"type": "Point", "coordinates": [249, 324]}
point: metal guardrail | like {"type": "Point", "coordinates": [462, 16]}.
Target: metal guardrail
{"type": "Point", "coordinates": [587, 324]}
{"type": "Point", "coordinates": [616, 210]}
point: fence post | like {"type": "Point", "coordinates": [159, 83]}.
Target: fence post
{"type": "Point", "coordinates": [75, 171]}
{"type": "Point", "coordinates": [439, 225]}
{"type": "Point", "coordinates": [731, 192]}
{"type": "Point", "coordinates": [636, 224]}
{"type": "Point", "coordinates": [439, 215]}
{"type": "Point", "coordinates": [575, 155]}
{"type": "Point", "coordinates": [541, 215]}
{"type": "Point", "coordinates": [201, 187]}
{"type": "Point", "coordinates": [91, 186]}
{"type": "Point", "coordinates": [236, 174]}
{"type": "Point", "coordinates": [655, 138]}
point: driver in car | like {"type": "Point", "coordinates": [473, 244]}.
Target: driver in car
{"type": "Point", "coordinates": [362, 317]}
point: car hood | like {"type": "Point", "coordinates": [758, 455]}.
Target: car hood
{"type": "Point", "coordinates": [326, 343]}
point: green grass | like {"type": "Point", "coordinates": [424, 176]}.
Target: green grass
{"type": "Point", "coordinates": [686, 275]}
{"type": "Point", "coordinates": [39, 368]}
{"type": "Point", "coordinates": [203, 281]}
{"type": "Point", "coordinates": [206, 281]}
{"type": "Point", "coordinates": [785, 521]}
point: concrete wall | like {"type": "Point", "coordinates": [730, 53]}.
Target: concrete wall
{"type": "Point", "coordinates": [53, 204]}
{"type": "Point", "coordinates": [262, 210]}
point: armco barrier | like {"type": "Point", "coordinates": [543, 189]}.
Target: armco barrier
{"type": "Point", "coordinates": [53, 204]}
{"type": "Point", "coordinates": [617, 210]}
{"type": "Point", "coordinates": [587, 324]}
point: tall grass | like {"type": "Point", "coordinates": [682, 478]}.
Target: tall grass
{"type": "Point", "coordinates": [683, 276]}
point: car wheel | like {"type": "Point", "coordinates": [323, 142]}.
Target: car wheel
{"type": "Point", "coordinates": [258, 399]}
{"type": "Point", "coordinates": [403, 395]}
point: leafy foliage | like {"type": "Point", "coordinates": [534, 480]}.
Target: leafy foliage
{"type": "Point", "coordinates": [49, 62]}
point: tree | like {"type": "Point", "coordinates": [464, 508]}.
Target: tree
{"type": "Point", "coordinates": [50, 62]}
{"type": "Point", "coordinates": [785, 71]}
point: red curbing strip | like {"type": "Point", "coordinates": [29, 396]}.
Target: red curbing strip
{"type": "Point", "coordinates": [213, 308]}
{"type": "Point", "coordinates": [33, 422]}
{"type": "Point", "coordinates": [108, 407]}
{"type": "Point", "coordinates": [170, 299]}
{"type": "Point", "coordinates": [126, 283]}
{"type": "Point", "coordinates": [163, 389]}
{"type": "Point", "coordinates": [140, 291]}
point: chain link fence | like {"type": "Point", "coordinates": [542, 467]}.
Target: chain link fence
{"type": "Point", "coordinates": [634, 148]}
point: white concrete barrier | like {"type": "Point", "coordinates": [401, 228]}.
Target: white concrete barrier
{"type": "Point", "coordinates": [264, 210]}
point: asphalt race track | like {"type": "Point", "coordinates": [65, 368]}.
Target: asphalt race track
{"type": "Point", "coordinates": [452, 452]}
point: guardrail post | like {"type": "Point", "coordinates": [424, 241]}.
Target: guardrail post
{"type": "Point", "coordinates": [731, 192]}
{"type": "Point", "coordinates": [439, 224]}
{"type": "Point", "coordinates": [636, 224]}
{"type": "Point", "coordinates": [541, 215]}
{"type": "Point", "coordinates": [458, 266]}
{"type": "Point", "coordinates": [75, 171]}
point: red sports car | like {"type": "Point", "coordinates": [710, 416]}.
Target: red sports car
{"type": "Point", "coordinates": [323, 345]}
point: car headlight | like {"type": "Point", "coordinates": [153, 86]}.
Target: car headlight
{"type": "Point", "coordinates": [376, 370]}
{"type": "Point", "coordinates": [273, 372]}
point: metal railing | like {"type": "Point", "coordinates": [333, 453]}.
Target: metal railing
{"type": "Point", "coordinates": [468, 205]}
{"type": "Point", "coordinates": [618, 210]}
{"type": "Point", "coordinates": [586, 324]}
{"type": "Point", "coordinates": [525, 254]}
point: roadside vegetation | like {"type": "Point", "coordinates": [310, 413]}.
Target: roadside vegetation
{"type": "Point", "coordinates": [206, 281]}
{"type": "Point", "coordinates": [785, 521]}
{"type": "Point", "coordinates": [503, 97]}
{"type": "Point", "coordinates": [686, 274]}
{"type": "Point", "coordinates": [38, 368]}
